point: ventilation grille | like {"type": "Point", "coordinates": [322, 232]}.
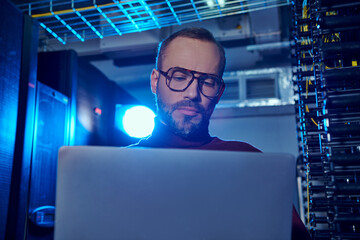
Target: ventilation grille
{"type": "Point", "coordinates": [231, 90]}
{"type": "Point", "coordinates": [260, 88]}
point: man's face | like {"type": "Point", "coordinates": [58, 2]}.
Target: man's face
{"type": "Point", "coordinates": [187, 112]}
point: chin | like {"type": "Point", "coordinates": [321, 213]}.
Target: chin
{"type": "Point", "coordinates": [188, 128]}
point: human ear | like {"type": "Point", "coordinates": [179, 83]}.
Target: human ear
{"type": "Point", "coordinates": [154, 79]}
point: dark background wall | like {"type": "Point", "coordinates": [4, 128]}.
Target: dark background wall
{"type": "Point", "coordinates": [95, 90]}
{"type": "Point", "coordinates": [87, 89]}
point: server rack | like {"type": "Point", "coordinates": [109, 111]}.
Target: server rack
{"type": "Point", "coordinates": [51, 131]}
{"type": "Point", "coordinates": [327, 84]}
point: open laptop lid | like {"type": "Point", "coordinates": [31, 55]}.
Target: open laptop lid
{"type": "Point", "coordinates": [117, 193]}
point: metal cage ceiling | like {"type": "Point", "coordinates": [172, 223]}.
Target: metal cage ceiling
{"type": "Point", "coordinates": [80, 20]}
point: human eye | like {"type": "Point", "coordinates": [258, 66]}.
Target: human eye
{"type": "Point", "coordinates": [209, 81]}
{"type": "Point", "coordinates": [179, 76]}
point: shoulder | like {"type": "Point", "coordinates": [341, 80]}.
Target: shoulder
{"type": "Point", "coordinates": [143, 142]}
{"type": "Point", "coordinates": [219, 144]}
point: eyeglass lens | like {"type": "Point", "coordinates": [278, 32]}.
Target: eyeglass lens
{"type": "Point", "coordinates": [180, 79]}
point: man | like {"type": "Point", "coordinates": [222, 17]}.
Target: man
{"type": "Point", "coordinates": [188, 84]}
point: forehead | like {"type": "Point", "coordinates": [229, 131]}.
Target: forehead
{"type": "Point", "coordinates": [192, 54]}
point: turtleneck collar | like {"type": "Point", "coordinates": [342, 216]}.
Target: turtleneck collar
{"type": "Point", "coordinates": [164, 137]}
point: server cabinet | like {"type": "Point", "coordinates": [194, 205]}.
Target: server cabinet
{"type": "Point", "coordinates": [51, 131]}
{"type": "Point", "coordinates": [11, 23]}
{"type": "Point", "coordinates": [18, 57]}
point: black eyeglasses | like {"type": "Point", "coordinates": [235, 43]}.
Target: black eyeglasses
{"type": "Point", "coordinates": [179, 79]}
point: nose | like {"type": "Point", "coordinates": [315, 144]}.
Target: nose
{"type": "Point", "coordinates": [193, 91]}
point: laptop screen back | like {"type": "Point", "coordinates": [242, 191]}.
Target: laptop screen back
{"type": "Point", "coordinates": [117, 193]}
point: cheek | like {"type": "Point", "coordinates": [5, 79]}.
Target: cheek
{"type": "Point", "coordinates": [168, 97]}
{"type": "Point", "coordinates": [208, 104]}
{"type": "Point", "coordinates": [210, 108]}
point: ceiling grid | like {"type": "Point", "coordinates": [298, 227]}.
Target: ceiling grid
{"type": "Point", "coordinates": [81, 20]}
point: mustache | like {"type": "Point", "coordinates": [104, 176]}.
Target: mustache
{"type": "Point", "coordinates": [188, 103]}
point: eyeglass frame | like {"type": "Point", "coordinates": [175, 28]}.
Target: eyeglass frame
{"type": "Point", "coordinates": [168, 80]}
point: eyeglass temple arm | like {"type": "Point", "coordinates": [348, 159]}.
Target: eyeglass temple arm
{"type": "Point", "coordinates": [221, 91]}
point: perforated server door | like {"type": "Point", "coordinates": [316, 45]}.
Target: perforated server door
{"type": "Point", "coordinates": [50, 133]}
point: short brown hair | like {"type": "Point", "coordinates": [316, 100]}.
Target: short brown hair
{"type": "Point", "coordinates": [195, 33]}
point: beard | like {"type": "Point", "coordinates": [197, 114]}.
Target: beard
{"type": "Point", "coordinates": [186, 126]}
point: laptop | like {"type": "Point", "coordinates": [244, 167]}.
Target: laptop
{"type": "Point", "coordinates": [157, 194]}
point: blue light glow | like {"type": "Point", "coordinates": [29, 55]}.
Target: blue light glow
{"type": "Point", "coordinates": [196, 11]}
{"type": "Point", "coordinates": [88, 23]}
{"type": "Point", "coordinates": [126, 14]}
{"type": "Point", "coordinates": [52, 33]}
{"type": "Point", "coordinates": [172, 10]}
{"type": "Point", "coordinates": [68, 27]}
{"type": "Point", "coordinates": [219, 5]}
{"type": "Point", "coordinates": [138, 121]}
{"type": "Point", "coordinates": [151, 14]}
{"type": "Point", "coordinates": [108, 20]}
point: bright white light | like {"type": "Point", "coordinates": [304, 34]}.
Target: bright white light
{"type": "Point", "coordinates": [138, 121]}
{"type": "Point", "coordinates": [221, 3]}
{"type": "Point", "coordinates": [211, 3]}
